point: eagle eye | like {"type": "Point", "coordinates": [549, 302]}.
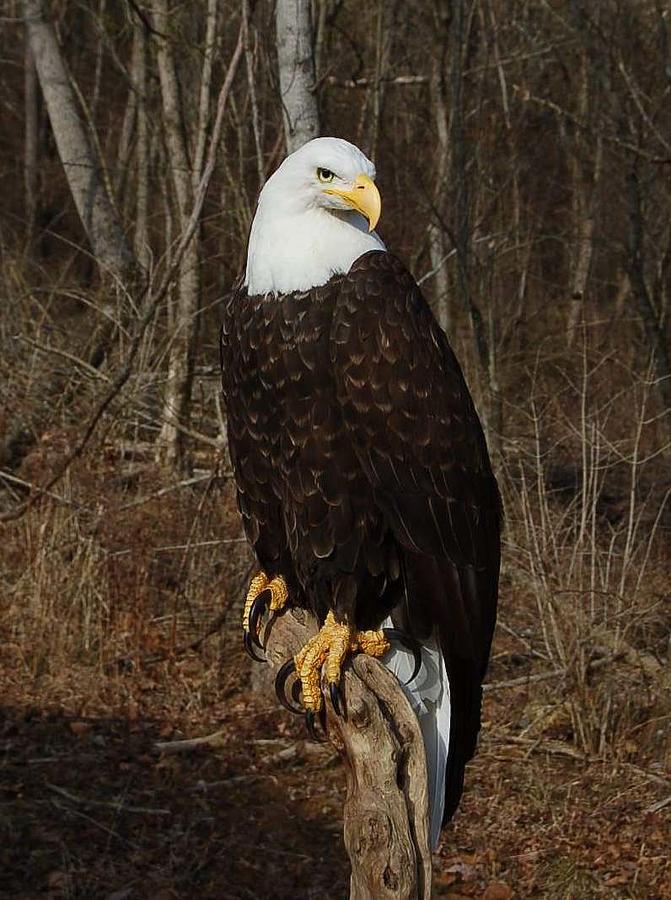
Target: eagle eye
{"type": "Point", "coordinates": [325, 175]}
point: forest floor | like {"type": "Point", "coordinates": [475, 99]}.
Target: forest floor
{"type": "Point", "coordinates": [94, 677]}
{"type": "Point", "coordinates": [91, 807]}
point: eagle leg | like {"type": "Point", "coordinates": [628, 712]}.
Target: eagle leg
{"type": "Point", "coordinates": [329, 648]}
{"type": "Point", "coordinates": [263, 593]}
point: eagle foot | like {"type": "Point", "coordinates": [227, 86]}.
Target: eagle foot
{"type": "Point", "coordinates": [263, 594]}
{"type": "Point", "coordinates": [328, 650]}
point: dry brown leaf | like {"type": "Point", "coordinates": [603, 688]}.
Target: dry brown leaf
{"type": "Point", "coordinates": [497, 890]}
{"type": "Point", "coordinates": [80, 728]}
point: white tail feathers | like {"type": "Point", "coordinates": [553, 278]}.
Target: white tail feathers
{"type": "Point", "coordinates": [429, 696]}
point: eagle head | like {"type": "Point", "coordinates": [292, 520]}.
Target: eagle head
{"type": "Point", "coordinates": [315, 216]}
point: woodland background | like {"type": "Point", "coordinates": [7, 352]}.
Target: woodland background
{"type": "Point", "coordinates": [523, 151]}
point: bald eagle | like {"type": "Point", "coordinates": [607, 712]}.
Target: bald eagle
{"type": "Point", "coordinates": [362, 471]}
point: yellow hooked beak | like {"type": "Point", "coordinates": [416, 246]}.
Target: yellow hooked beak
{"type": "Point", "coordinates": [364, 197]}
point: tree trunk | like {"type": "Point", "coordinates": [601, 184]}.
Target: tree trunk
{"type": "Point", "coordinates": [30, 139]}
{"type": "Point", "coordinates": [256, 126]}
{"type": "Point", "coordinates": [460, 178]}
{"type": "Point", "coordinates": [585, 177]}
{"type": "Point", "coordinates": [204, 100]}
{"type": "Point", "coordinates": [139, 75]}
{"type": "Point", "coordinates": [82, 168]}
{"type": "Point", "coordinates": [654, 326]}
{"type": "Point", "coordinates": [438, 252]}
{"type": "Point", "coordinates": [177, 398]}
{"type": "Point", "coordinates": [295, 60]}
{"type": "Point", "coordinates": [386, 818]}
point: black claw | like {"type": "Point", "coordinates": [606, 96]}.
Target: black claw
{"type": "Point", "coordinates": [257, 610]}
{"type": "Point", "coordinates": [249, 647]}
{"type": "Point", "coordinates": [336, 697]}
{"type": "Point", "coordinates": [296, 689]}
{"type": "Point", "coordinates": [284, 673]}
{"type": "Point", "coordinates": [311, 726]}
{"type": "Point", "coordinates": [410, 643]}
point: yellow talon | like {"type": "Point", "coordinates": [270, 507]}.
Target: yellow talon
{"type": "Point", "coordinates": [279, 594]}
{"type": "Point", "coordinates": [374, 643]}
{"type": "Point", "coordinates": [331, 646]}
{"type": "Point", "coordinates": [256, 585]}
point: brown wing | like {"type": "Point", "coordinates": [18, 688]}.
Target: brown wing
{"type": "Point", "coordinates": [413, 425]}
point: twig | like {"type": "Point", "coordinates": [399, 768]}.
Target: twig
{"type": "Point", "coordinates": [586, 126]}
{"type": "Point", "coordinates": [110, 831]}
{"type": "Point", "coordinates": [396, 81]}
{"type": "Point", "coordinates": [592, 666]}
{"type": "Point", "coordinates": [187, 482]}
{"type": "Point", "coordinates": [194, 544]}
{"type": "Point", "coordinates": [650, 776]}
{"type": "Point", "coordinates": [659, 805]}
{"type": "Point", "coordinates": [110, 804]}
{"type": "Point", "coordinates": [204, 786]}
{"type": "Point", "coordinates": [554, 748]}
{"type": "Point", "coordinates": [522, 680]}
{"type": "Point", "coordinates": [70, 357]}
{"type": "Point", "coordinates": [14, 479]}
{"type": "Point", "coordinates": [188, 744]}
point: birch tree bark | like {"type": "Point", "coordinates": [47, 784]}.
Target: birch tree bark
{"type": "Point", "coordinates": [296, 66]}
{"type": "Point", "coordinates": [80, 162]}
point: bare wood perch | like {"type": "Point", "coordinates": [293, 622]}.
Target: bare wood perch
{"type": "Point", "coordinates": [386, 827]}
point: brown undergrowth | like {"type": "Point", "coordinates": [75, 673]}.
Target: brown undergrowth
{"type": "Point", "coordinates": [104, 591]}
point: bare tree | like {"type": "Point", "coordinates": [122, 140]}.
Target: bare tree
{"type": "Point", "coordinates": [30, 142]}
{"type": "Point", "coordinates": [139, 75]}
{"type": "Point", "coordinates": [80, 162]}
{"type": "Point", "coordinates": [295, 60]}
{"type": "Point", "coordinates": [652, 315]}
{"type": "Point", "coordinates": [438, 246]}
{"type": "Point", "coordinates": [182, 320]}
{"type": "Point", "coordinates": [585, 172]}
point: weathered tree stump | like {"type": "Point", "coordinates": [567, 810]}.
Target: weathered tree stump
{"type": "Point", "coordinates": [386, 827]}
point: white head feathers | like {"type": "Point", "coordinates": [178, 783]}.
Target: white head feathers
{"type": "Point", "coordinates": [312, 219]}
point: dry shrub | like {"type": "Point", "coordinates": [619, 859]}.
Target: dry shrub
{"type": "Point", "coordinates": [56, 609]}
{"type": "Point", "coordinates": [587, 500]}
{"type": "Point", "coordinates": [103, 578]}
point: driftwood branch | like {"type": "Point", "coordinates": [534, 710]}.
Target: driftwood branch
{"type": "Point", "coordinates": [386, 825]}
